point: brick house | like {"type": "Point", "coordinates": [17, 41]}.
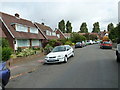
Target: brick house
{"type": "Point", "coordinates": [20, 32]}
{"type": "Point", "coordinates": [59, 34]}
{"type": "Point", "coordinates": [47, 31]}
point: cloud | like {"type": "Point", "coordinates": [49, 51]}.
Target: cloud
{"type": "Point", "coordinates": [77, 11]}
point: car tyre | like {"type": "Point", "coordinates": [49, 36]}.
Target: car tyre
{"type": "Point", "coordinates": [73, 54]}
{"type": "Point", "coordinates": [2, 86]}
{"type": "Point", "coordinates": [65, 59]}
{"type": "Point", "coordinates": [118, 59]}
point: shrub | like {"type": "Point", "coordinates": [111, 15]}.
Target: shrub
{"type": "Point", "coordinates": [6, 53]}
{"type": "Point", "coordinates": [19, 49]}
{"type": "Point", "coordinates": [68, 43]}
{"type": "Point", "coordinates": [75, 37]}
{"type": "Point", "coordinates": [26, 52]}
{"type": "Point", "coordinates": [58, 43]}
{"type": "Point", "coordinates": [5, 50]}
{"type": "Point", "coordinates": [52, 42]}
{"type": "Point", "coordinates": [4, 42]}
{"type": "Point", "coordinates": [48, 48]}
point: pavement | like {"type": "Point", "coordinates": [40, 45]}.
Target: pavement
{"type": "Point", "coordinates": [26, 66]}
{"type": "Point", "coordinates": [91, 67]}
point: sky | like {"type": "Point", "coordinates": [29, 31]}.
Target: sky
{"type": "Point", "coordinates": [76, 11]}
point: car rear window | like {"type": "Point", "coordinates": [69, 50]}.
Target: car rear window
{"type": "Point", "coordinates": [106, 42]}
{"type": "Point", "coordinates": [78, 43]}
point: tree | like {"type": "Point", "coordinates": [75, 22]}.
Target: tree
{"type": "Point", "coordinates": [110, 27]}
{"type": "Point", "coordinates": [83, 28]}
{"type": "Point", "coordinates": [96, 27]}
{"type": "Point", "coordinates": [75, 37]}
{"type": "Point", "coordinates": [5, 50]}
{"type": "Point", "coordinates": [115, 33]}
{"type": "Point", "coordinates": [61, 26]}
{"type": "Point", "coordinates": [68, 27]}
{"type": "Point", "coordinates": [90, 36]}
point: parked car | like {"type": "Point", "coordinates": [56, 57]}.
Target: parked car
{"type": "Point", "coordinates": [78, 45]}
{"type": "Point", "coordinates": [118, 51]}
{"type": "Point", "coordinates": [4, 74]}
{"type": "Point", "coordinates": [59, 54]}
{"type": "Point", "coordinates": [91, 42]}
{"type": "Point", "coordinates": [106, 44]}
{"type": "Point", "coordinates": [84, 44]}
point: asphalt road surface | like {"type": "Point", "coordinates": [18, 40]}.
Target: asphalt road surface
{"type": "Point", "coordinates": [91, 67]}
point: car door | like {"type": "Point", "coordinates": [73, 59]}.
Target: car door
{"type": "Point", "coordinates": [69, 49]}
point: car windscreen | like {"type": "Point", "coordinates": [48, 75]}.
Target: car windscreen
{"type": "Point", "coordinates": [106, 42]}
{"type": "Point", "coordinates": [59, 49]}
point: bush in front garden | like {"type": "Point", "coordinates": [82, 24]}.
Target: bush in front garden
{"type": "Point", "coordinates": [6, 53]}
{"type": "Point", "coordinates": [5, 50]}
{"type": "Point", "coordinates": [47, 49]}
{"type": "Point", "coordinates": [68, 43]}
{"type": "Point", "coordinates": [26, 52]}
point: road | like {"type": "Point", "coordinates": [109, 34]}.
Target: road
{"type": "Point", "coordinates": [91, 67]}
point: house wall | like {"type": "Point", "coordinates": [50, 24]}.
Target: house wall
{"type": "Point", "coordinates": [26, 43]}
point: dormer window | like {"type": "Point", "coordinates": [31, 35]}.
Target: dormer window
{"type": "Point", "coordinates": [49, 33]}
{"type": "Point", "coordinates": [53, 34]}
{"type": "Point", "coordinates": [21, 28]}
{"type": "Point", "coordinates": [33, 30]}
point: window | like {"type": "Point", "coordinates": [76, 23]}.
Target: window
{"type": "Point", "coordinates": [21, 28]}
{"type": "Point", "coordinates": [58, 35]}
{"type": "Point", "coordinates": [23, 43]}
{"type": "Point", "coordinates": [53, 34]}
{"type": "Point", "coordinates": [33, 30]}
{"type": "Point", "coordinates": [48, 33]}
{"type": "Point", "coordinates": [35, 43]}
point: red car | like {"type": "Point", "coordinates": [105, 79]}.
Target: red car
{"type": "Point", "coordinates": [106, 44]}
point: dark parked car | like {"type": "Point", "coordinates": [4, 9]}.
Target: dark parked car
{"type": "Point", "coordinates": [106, 44]}
{"type": "Point", "coordinates": [4, 74]}
{"type": "Point", "coordinates": [78, 45]}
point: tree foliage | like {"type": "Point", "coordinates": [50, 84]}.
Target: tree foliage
{"type": "Point", "coordinates": [61, 26]}
{"type": "Point", "coordinates": [96, 27]}
{"type": "Point", "coordinates": [115, 33]}
{"type": "Point", "coordinates": [83, 28]}
{"type": "Point", "coordinates": [110, 27]}
{"type": "Point", "coordinates": [91, 36]}
{"type": "Point", "coordinates": [68, 27]}
{"type": "Point", "coordinates": [75, 37]}
{"type": "Point", "coordinates": [5, 50]}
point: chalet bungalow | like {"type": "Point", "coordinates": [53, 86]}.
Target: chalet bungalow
{"type": "Point", "coordinates": [47, 31]}
{"type": "Point", "coordinates": [59, 34]}
{"type": "Point", "coordinates": [20, 32]}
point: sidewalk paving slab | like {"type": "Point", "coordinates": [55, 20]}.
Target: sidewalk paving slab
{"type": "Point", "coordinates": [26, 66]}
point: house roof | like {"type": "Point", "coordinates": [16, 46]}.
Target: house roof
{"type": "Point", "coordinates": [9, 19]}
{"type": "Point", "coordinates": [2, 34]}
{"type": "Point", "coordinates": [43, 28]}
{"type": "Point", "coordinates": [67, 35]}
{"type": "Point", "coordinates": [58, 31]}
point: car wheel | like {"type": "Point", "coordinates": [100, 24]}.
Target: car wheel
{"type": "Point", "coordinates": [2, 86]}
{"type": "Point", "coordinates": [118, 59]}
{"type": "Point", "coordinates": [65, 59]}
{"type": "Point", "coordinates": [73, 54]}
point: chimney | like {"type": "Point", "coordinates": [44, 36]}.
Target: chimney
{"type": "Point", "coordinates": [42, 23]}
{"type": "Point", "coordinates": [17, 15]}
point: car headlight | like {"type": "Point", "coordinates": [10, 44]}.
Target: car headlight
{"type": "Point", "coordinates": [60, 56]}
{"type": "Point", "coordinates": [46, 57]}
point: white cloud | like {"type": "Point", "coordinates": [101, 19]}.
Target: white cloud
{"type": "Point", "coordinates": [77, 11]}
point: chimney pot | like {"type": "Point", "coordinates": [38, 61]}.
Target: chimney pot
{"type": "Point", "coordinates": [17, 15]}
